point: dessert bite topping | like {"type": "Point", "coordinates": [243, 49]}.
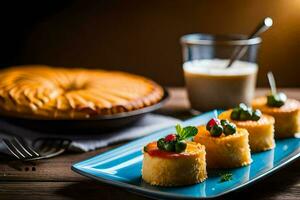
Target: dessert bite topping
{"type": "Point", "coordinates": [256, 115]}
{"type": "Point", "coordinates": [219, 127]}
{"type": "Point", "coordinates": [176, 142]}
{"type": "Point", "coordinates": [243, 113]}
{"type": "Point", "coordinates": [170, 138]}
{"type": "Point", "coordinates": [216, 130]}
{"type": "Point", "coordinates": [229, 128]}
{"type": "Point", "coordinates": [180, 146]}
{"type": "Point", "coordinates": [276, 100]}
{"type": "Point", "coordinates": [211, 123]}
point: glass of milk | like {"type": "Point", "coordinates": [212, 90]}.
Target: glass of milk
{"type": "Point", "coordinates": [210, 84]}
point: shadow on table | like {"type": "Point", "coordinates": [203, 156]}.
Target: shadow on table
{"type": "Point", "coordinates": [17, 165]}
{"type": "Point", "coordinates": [280, 185]}
{"type": "Point", "coordinates": [94, 190]}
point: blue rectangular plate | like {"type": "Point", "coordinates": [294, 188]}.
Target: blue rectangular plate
{"type": "Point", "coordinates": [122, 167]}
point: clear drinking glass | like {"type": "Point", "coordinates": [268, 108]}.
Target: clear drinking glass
{"type": "Point", "coordinates": [209, 83]}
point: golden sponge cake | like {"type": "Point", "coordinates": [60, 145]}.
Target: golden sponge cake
{"type": "Point", "coordinates": [225, 151]}
{"type": "Point", "coordinates": [164, 168]}
{"type": "Point", "coordinates": [287, 117]}
{"type": "Point", "coordinates": [261, 132]}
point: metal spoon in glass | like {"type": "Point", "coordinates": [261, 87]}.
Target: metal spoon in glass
{"type": "Point", "coordinates": [240, 51]}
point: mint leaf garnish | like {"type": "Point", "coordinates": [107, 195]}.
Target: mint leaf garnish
{"type": "Point", "coordinates": [225, 177]}
{"type": "Point", "coordinates": [186, 132]}
{"type": "Point", "coordinates": [178, 129]}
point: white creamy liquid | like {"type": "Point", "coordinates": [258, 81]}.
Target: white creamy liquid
{"type": "Point", "coordinates": [211, 85]}
{"type": "Point", "coordinates": [217, 67]}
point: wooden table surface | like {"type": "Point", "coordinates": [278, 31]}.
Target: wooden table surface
{"type": "Point", "coordinates": [53, 178]}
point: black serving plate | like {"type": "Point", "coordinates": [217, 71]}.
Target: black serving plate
{"type": "Point", "coordinates": [97, 124]}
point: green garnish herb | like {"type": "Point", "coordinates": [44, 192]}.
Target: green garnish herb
{"type": "Point", "coordinates": [226, 177]}
{"type": "Point", "coordinates": [186, 132]}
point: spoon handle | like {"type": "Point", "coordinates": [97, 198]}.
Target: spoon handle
{"type": "Point", "coordinates": [272, 83]}
{"type": "Point", "coordinates": [240, 51]}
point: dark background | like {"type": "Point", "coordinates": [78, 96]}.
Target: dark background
{"type": "Point", "coordinates": [143, 36]}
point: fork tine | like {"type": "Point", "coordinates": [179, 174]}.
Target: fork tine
{"type": "Point", "coordinates": [12, 148]}
{"type": "Point", "coordinates": [26, 147]}
{"type": "Point", "coordinates": [20, 147]}
{"type": "Point", "coordinates": [22, 151]}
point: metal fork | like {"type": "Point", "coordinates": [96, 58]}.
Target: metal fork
{"type": "Point", "coordinates": [48, 148]}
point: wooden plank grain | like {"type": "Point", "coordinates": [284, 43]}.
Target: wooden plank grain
{"type": "Point", "coordinates": [62, 191]}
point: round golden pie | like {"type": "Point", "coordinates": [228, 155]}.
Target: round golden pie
{"type": "Point", "coordinates": [39, 91]}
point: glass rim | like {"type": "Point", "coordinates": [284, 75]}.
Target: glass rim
{"type": "Point", "coordinates": [212, 39]}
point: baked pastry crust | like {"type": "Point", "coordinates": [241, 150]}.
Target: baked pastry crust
{"type": "Point", "coordinates": [287, 117]}
{"type": "Point", "coordinates": [261, 132]}
{"type": "Point", "coordinates": [173, 169]}
{"type": "Point", "coordinates": [39, 91]}
{"type": "Point", "coordinates": [225, 151]}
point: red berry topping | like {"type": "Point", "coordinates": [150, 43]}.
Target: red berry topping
{"type": "Point", "coordinates": [211, 123]}
{"type": "Point", "coordinates": [170, 138]}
